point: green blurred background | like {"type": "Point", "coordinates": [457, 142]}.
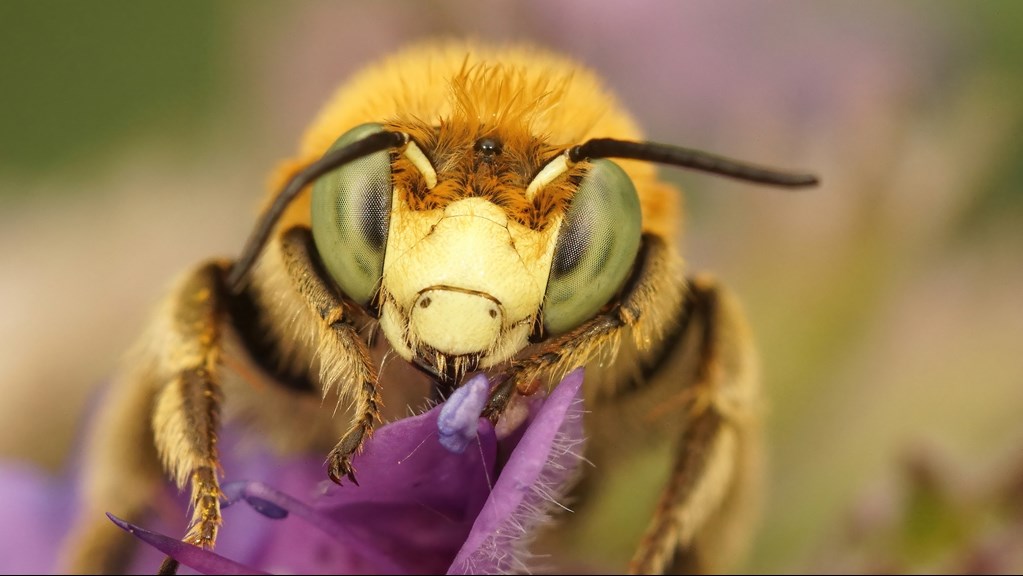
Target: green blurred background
{"type": "Point", "coordinates": [137, 138]}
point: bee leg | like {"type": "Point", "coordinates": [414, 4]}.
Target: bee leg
{"type": "Point", "coordinates": [186, 420]}
{"type": "Point", "coordinates": [709, 400]}
{"type": "Point", "coordinates": [654, 285]}
{"type": "Point", "coordinates": [500, 396]}
{"type": "Point", "coordinates": [697, 522]}
{"type": "Point", "coordinates": [163, 413]}
{"type": "Point", "coordinates": [344, 357]}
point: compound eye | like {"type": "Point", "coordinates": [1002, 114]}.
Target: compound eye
{"type": "Point", "coordinates": [597, 245]}
{"type": "Point", "coordinates": [351, 209]}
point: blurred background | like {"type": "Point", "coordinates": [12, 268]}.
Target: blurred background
{"type": "Point", "coordinates": [137, 139]}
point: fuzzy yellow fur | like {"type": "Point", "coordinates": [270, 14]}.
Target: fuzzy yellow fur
{"type": "Point", "coordinates": [539, 102]}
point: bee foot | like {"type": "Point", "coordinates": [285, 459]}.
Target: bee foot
{"type": "Point", "coordinates": [500, 395]}
{"type": "Point", "coordinates": [340, 466]}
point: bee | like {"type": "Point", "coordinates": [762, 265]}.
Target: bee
{"type": "Point", "coordinates": [482, 209]}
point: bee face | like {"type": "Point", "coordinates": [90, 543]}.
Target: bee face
{"type": "Point", "coordinates": [468, 249]}
{"type": "Point", "coordinates": [463, 281]}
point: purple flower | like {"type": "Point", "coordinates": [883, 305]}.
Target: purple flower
{"type": "Point", "coordinates": [438, 493]}
{"type": "Point", "coordinates": [37, 513]}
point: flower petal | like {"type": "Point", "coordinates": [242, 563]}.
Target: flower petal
{"type": "Point", "coordinates": [417, 500]}
{"type": "Point", "coordinates": [414, 506]}
{"type": "Point", "coordinates": [537, 473]}
{"type": "Point", "coordinates": [418, 504]}
{"type": "Point", "coordinates": [194, 557]}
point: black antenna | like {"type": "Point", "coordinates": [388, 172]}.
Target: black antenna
{"type": "Point", "coordinates": [688, 158]}
{"type": "Point", "coordinates": [376, 142]}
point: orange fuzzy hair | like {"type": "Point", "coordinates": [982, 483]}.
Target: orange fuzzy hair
{"type": "Point", "coordinates": [447, 94]}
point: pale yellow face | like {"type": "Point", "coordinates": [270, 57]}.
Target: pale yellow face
{"type": "Point", "coordinates": [462, 281]}
{"type": "Point", "coordinates": [459, 281]}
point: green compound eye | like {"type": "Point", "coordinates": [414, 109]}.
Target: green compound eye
{"type": "Point", "coordinates": [597, 246]}
{"type": "Point", "coordinates": [351, 211]}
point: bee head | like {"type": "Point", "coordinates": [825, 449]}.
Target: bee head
{"type": "Point", "coordinates": [467, 245]}
{"type": "Point", "coordinates": [462, 253]}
